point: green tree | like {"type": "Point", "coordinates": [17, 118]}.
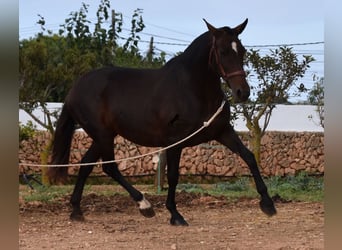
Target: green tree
{"type": "Point", "coordinates": [277, 74]}
{"type": "Point", "coordinates": [316, 97]}
{"type": "Point", "coordinates": [49, 63]}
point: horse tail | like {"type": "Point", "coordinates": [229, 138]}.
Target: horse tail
{"type": "Point", "coordinates": [61, 147]}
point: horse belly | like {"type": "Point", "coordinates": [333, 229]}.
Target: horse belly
{"type": "Point", "coordinates": [145, 137]}
{"type": "Point", "coordinates": [138, 126]}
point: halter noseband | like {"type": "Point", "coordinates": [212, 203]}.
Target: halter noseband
{"type": "Point", "coordinates": [223, 72]}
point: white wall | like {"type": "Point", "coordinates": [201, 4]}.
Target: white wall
{"type": "Point", "coordinates": [284, 118]}
{"type": "Point", "coordinates": [288, 118]}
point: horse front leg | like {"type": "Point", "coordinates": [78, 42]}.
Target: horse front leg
{"type": "Point", "coordinates": [230, 139]}
{"type": "Point", "coordinates": [173, 157]}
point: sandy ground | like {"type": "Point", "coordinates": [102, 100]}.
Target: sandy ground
{"type": "Point", "coordinates": [115, 223]}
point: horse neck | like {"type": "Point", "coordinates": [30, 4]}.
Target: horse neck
{"type": "Point", "coordinates": [197, 54]}
{"type": "Point", "coordinates": [195, 60]}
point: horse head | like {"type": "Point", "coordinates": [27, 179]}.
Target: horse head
{"type": "Point", "coordinates": [227, 55]}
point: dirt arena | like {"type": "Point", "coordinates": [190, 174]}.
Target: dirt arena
{"type": "Point", "coordinates": [115, 223]}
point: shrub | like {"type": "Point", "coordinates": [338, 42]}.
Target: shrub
{"type": "Point", "coordinates": [26, 131]}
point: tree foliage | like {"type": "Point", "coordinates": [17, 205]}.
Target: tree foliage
{"type": "Point", "coordinates": [276, 75]}
{"type": "Point", "coordinates": [49, 63]}
{"type": "Point", "coordinates": [316, 97]}
{"type": "Point", "coordinates": [26, 131]}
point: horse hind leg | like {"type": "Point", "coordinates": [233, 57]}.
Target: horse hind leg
{"type": "Point", "coordinates": [145, 206]}
{"type": "Point", "coordinates": [111, 169]}
{"type": "Point", "coordinates": [92, 155]}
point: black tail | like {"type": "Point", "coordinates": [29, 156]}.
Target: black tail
{"type": "Point", "coordinates": [61, 147]}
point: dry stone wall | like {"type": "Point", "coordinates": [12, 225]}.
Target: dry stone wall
{"type": "Point", "coordinates": [282, 153]}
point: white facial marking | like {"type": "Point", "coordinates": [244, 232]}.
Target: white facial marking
{"type": "Point", "coordinates": [144, 204]}
{"type": "Point", "coordinates": [234, 47]}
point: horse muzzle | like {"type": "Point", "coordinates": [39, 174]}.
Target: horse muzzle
{"type": "Point", "coordinates": [241, 95]}
{"type": "Point", "coordinates": [238, 84]}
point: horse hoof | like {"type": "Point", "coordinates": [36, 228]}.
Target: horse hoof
{"type": "Point", "coordinates": [145, 208]}
{"type": "Point", "coordinates": [178, 222]}
{"type": "Point", "coordinates": [147, 212]}
{"type": "Point", "coordinates": [268, 207]}
{"type": "Point", "coordinates": [76, 217]}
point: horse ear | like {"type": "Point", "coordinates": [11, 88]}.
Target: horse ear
{"type": "Point", "coordinates": [238, 29]}
{"type": "Point", "coordinates": [211, 28]}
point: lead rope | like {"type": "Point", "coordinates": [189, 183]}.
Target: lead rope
{"type": "Point", "coordinates": [205, 124]}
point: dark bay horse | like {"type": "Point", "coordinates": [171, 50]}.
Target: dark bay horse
{"type": "Point", "coordinates": [156, 108]}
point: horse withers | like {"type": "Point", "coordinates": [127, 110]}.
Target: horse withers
{"type": "Point", "coordinates": [156, 108]}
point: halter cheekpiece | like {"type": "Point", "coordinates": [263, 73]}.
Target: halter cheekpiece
{"type": "Point", "coordinates": [224, 74]}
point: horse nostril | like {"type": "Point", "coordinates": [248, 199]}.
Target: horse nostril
{"type": "Point", "coordinates": [238, 93]}
{"type": "Point", "coordinates": [242, 95]}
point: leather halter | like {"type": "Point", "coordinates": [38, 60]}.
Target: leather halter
{"type": "Point", "coordinates": [222, 71]}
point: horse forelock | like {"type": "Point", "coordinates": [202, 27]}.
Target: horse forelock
{"type": "Point", "coordinates": [228, 30]}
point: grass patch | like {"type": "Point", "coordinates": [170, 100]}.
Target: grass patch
{"type": "Point", "coordinates": [301, 187]}
{"type": "Point", "coordinates": [54, 193]}
{"type": "Point", "coordinates": [190, 188]}
{"type": "Point", "coordinates": [44, 194]}
{"type": "Point", "coordinates": [232, 190]}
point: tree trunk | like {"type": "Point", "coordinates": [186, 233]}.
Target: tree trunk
{"type": "Point", "coordinates": [255, 141]}
{"type": "Point", "coordinates": [255, 138]}
{"type": "Point", "coordinates": [44, 156]}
